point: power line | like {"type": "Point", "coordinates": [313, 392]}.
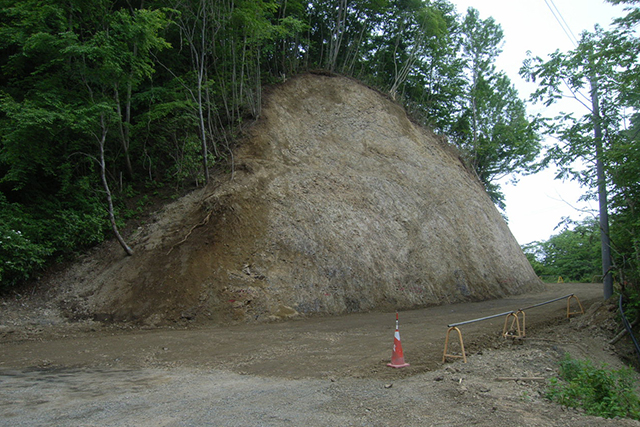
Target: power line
{"type": "Point", "coordinates": [572, 38]}
{"type": "Point", "coordinates": [561, 21]}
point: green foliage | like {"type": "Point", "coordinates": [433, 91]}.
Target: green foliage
{"type": "Point", "coordinates": [601, 392]}
{"type": "Point", "coordinates": [20, 254]}
{"type": "Point", "coordinates": [493, 131]}
{"type": "Point", "coordinates": [623, 157]}
{"type": "Point", "coordinates": [574, 253]}
{"type": "Point", "coordinates": [73, 229]}
{"type": "Point", "coordinates": [158, 90]}
{"type": "Point", "coordinates": [600, 147]}
{"type": "Point", "coordinates": [54, 229]}
{"type": "Point", "coordinates": [531, 252]}
{"type": "Point", "coordinates": [19, 257]}
{"type": "Point", "coordinates": [62, 68]}
{"type": "Point", "coordinates": [594, 67]}
{"type": "Point", "coordinates": [624, 169]}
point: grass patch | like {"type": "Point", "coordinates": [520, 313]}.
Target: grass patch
{"type": "Point", "coordinates": [599, 391]}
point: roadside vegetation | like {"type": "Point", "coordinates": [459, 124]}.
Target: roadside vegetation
{"type": "Point", "coordinates": [104, 103]}
{"type": "Point", "coordinates": [572, 255]}
{"type": "Point", "coordinates": [598, 390]}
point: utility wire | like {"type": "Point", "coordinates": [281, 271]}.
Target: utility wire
{"type": "Point", "coordinates": [572, 38]}
{"type": "Point", "coordinates": [561, 21]}
{"type": "Point", "coordinates": [566, 27]}
{"type": "Point", "coordinates": [628, 326]}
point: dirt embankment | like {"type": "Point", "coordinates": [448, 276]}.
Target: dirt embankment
{"type": "Point", "coordinates": [338, 204]}
{"type": "Point", "coordinates": [319, 371]}
{"type": "Point", "coordinates": [340, 211]}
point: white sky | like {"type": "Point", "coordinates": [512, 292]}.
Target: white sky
{"type": "Point", "coordinates": [538, 202]}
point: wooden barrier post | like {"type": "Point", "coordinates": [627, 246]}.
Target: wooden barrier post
{"type": "Point", "coordinates": [569, 312]}
{"type": "Point", "coordinates": [446, 346]}
{"type": "Point", "coordinates": [507, 331]}
{"type": "Point", "coordinates": [524, 326]}
{"type": "Point", "coordinates": [453, 327]}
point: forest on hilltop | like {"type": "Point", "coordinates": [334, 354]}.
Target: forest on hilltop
{"type": "Point", "coordinates": [104, 103]}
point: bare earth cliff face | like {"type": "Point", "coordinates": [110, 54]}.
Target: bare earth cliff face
{"type": "Point", "coordinates": [338, 203]}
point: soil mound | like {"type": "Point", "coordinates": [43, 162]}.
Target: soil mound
{"type": "Point", "coordinates": [339, 203]}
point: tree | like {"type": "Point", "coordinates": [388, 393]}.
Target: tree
{"type": "Point", "coordinates": [133, 36]}
{"type": "Point", "coordinates": [70, 93]}
{"type": "Point", "coordinates": [227, 41]}
{"type": "Point", "coordinates": [52, 195]}
{"type": "Point", "coordinates": [422, 24]}
{"type": "Point", "coordinates": [493, 131]}
{"type": "Point", "coordinates": [481, 41]}
{"type": "Point", "coordinates": [341, 33]}
{"type": "Point", "coordinates": [573, 254]}
{"type": "Point", "coordinates": [623, 162]}
{"type": "Point", "coordinates": [623, 158]}
{"type": "Point", "coordinates": [596, 65]}
{"type": "Point", "coordinates": [118, 54]}
{"type": "Point", "coordinates": [199, 23]}
{"type": "Point", "coordinates": [433, 91]}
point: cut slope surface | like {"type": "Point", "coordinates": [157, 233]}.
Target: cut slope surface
{"type": "Point", "coordinates": [339, 203]}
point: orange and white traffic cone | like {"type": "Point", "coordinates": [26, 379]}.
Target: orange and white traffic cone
{"type": "Point", "coordinates": [397, 357]}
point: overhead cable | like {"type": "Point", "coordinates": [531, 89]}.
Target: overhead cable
{"type": "Point", "coordinates": [561, 21]}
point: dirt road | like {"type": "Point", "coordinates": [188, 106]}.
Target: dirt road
{"type": "Point", "coordinates": [319, 371]}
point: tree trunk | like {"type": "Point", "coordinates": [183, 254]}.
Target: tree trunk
{"type": "Point", "coordinates": [202, 55]}
{"type": "Point", "coordinates": [203, 133]}
{"type": "Point", "coordinates": [337, 35]}
{"type": "Point", "coordinates": [125, 123]}
{"type": "Point", "coordinates": [605, 242]}
{"type": "Point", "coordinates": [103, 176]}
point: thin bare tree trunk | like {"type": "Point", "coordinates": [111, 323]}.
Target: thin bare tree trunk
{"type": "Point", "coordinates": [337, 35]}
{"type": "Point", "coordinates": [124, 123]}
{"type": "Point", "coordinates": [105, 184]}
{"type": "Point", "coordinates": [201, 70]}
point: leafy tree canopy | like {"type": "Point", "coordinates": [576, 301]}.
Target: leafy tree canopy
{"type": "Point", "coordinates": [573, 254]}
{"type": "Point", "coordinates": [102, 100]}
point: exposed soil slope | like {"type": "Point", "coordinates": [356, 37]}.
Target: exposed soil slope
{"type": "Point", "coordinates": [338, 203]}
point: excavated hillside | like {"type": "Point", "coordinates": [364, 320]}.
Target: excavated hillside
{"type": "Point", "coordinates": [339, 203]}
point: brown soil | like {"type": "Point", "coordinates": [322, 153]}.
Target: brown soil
{"type": "Point", "coordinates": [338, 204]}
{"type": "Point", "coordinates": [315, 371]}
{"type": "Point", "coordinates": [268, 298]}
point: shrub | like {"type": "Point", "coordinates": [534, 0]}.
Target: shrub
{"type": "Point", "coordinates": [19, 257]}
{"type": "Point", "coordinates": [600, 392]}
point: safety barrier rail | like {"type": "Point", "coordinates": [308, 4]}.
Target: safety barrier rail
{"type": "Point", "coordinates": [521, 333]}
{"type": "Point", "coordinates": [515, 330]}
{"type": "Point", "coordinates": [454, 327]}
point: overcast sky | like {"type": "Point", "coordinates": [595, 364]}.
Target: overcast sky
{"type": "Point", "coordinates": [538, 203]}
